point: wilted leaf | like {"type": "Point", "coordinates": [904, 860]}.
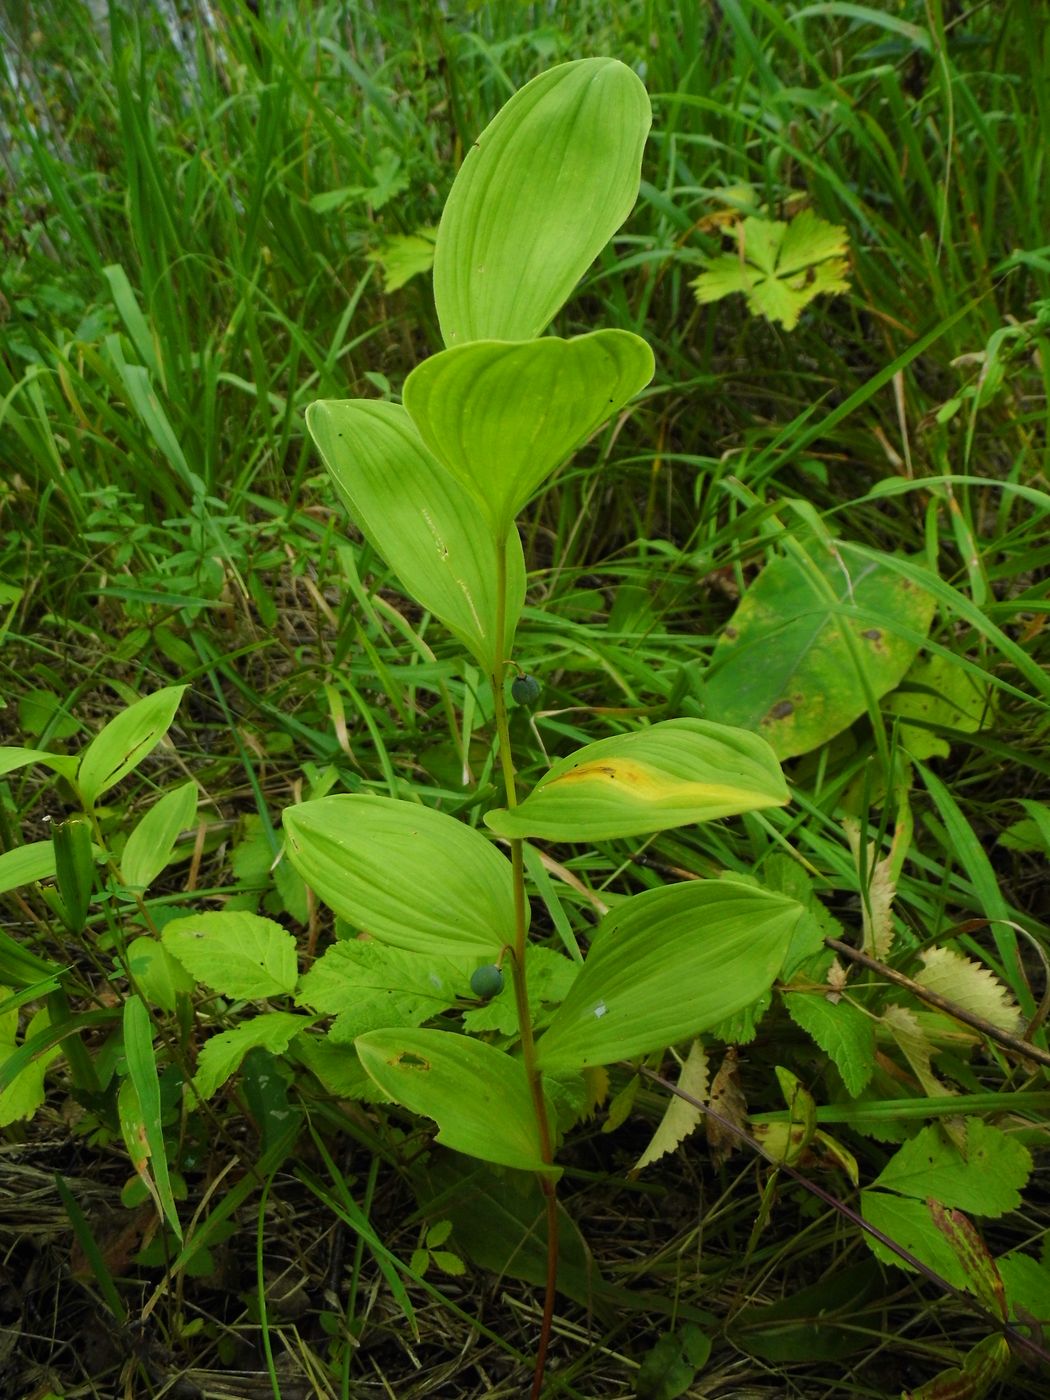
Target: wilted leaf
{"type": "Point", "coordinates": [727, 1103]}
{"type": "Point", "coordinates": [969, 985]}
{"type": "Point", "coordinates": [680, 1117]}
{"type": "Point", "coordinates": [982, 1366]}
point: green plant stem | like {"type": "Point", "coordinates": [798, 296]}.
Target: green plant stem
{"type": "Point", "coordinates": [521, 992]}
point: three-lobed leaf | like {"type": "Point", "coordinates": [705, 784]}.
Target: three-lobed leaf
{"type": "Point", "coordinates": [420, 519]}
{"type": "Point", "coordinates": [408, 875]}
{"type": "Point", "coordinates": [672, 773]}
{"type": "Point", "coordinates": [502, 416]}
{"type": "Point", "coordinates": [538, 196]}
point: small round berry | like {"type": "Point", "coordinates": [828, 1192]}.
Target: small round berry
{"type": "Point", "coordinates": [526, 690]}
{"type": "Point", "coordinates": [487, 981]}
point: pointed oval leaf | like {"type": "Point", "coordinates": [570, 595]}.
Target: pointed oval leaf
{"type": "Point", "coordinates": [23, 865]}
{"type": "Point", "coordinates": [539, 194]}
{"type": "Point", "coordinates": [62, 763]}
{"type": "Point", "coordinates": [501, 416]}
{"type": "Point", "coordinates": [150, 845]}
{"type": "Point", "coordinates": [671, 774]}
{"type": "Point", "coordinates": [408, 875]}
{"type": "Point", "coordinates": [666, 965]}
{"type": "Point", "coordinates": [479, 1096]}
{"type": "Point", "coordinates": [419, 519]}
{"type": "Point", "coordinates": [125, 741]}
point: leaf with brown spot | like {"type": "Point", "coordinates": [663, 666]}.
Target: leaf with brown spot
{"type": "Point", "coordinates": [728, 1102]}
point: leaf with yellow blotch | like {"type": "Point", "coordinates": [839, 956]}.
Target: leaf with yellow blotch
{"type": "Point", "coordinates": [878, 907]}
{"type": "Point", "coordinates": [680, 1117]}
{"type": "Point", "coordinates": [672, 774]}
{"type": "Point", "coordinates": [970, 986]}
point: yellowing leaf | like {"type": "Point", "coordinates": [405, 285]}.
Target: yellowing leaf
{"type": "Point", "coordinates": [970, 986]}
{"type": "Point", "coordinates": [779, 267]}
{"type": "Point", "coordinates": [878, 907]}
{"type": "Point", "coordinates": [404, 256]}
{"type": "Point", "coordinates": [673, 773]}
{"type": "Point", "coordinates": [680, 1117]}
{"type": "Point", "coordinates": [937, 691]}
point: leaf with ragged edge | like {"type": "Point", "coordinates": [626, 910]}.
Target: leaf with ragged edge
{"type": "Point", "coordinates": [238, 955]}
{"type": "Point", "coordinates": [222, 1054]}
{"type": "Point", "coordinates": [982, 1366]}
{"type": "Point", "coordinates": [987, 1179]}
{"type": "Point", "coordinates": [667, 964]}
{"type": "Point", "coordinates": [548, 977]}
{"type": "Point", "coordinates": [478, 1095]}
{"type": "Point", "coordinates": [24, 1095]}
{"type": "Point", "coordinates": [500, 416]}
{"type": "Point", "coordinates": [841, 1030]}
{"type": "Point", "coordinates": [673, 773]}
{"type": "Point", "coordinates": [943, 694]}
{"type": "Point", "coordinates": [779, 267]}
{"type": "Point", "coordinates": [539, 194]}
{"type": "Point", "coordinates": [970, 986]}
{"type": "Point", "coordinates": [125, 741]}
{"type": "Point", "coordinates": [982, 1276]}
{"type": "Point", "coordinates": [338, 1068]}
{"type": "Point", "coordinates": [369, 986]}
{"type": "Point", "coordinates": [420, 519]}
{"type": "Point", "coordinates": [880, 892]}
{"type": "Point", "coordinates": [910, 1224]}
{"type": "Point", "coordinates": [404, 256]}
{"type": "Point", "coordinates": [680, 1117]}
{"type": "Point", "coordinates": [150, 845]}
{"type": "Point", "coordinates": [906, 1030]}
{"type": "Point", "coordinates": [409, 876]}
{"type": "Point", "coordinates": [1027, 1284]}
{"type": "Point", "coordinates": [783, 666]}
{"type": "Point", "coordinates": [160, 978]}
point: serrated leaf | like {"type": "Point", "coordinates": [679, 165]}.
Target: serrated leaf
{"type": "Point", "coordinates": [238, 955]}
{"type": "Point", "coordinates": [548, 977]}
{"type": "Point", "coordinates": [809, 642]}
{"type": "Point", "coordinates": [881, 889]}
{"type": "Point", "coordinates": [910, 1224]}
{"type": "Point", "coordinates": [779, 267]}
{"type": "Point", "coordinates": [222, 1054]}
{"type": "Point", "coordinates": [680, 1118]}
{"type": "Point", "coordinates": [986, 1179]}
{"type": "Point", "coordinates": [841, 1030]}
{"type": "Point", "coordinates": [125, 741]}
{"type": "Point", "coordinates": [969, 985]}
{"type": "Point", "coordinates": [161, 978]}
{"type": "Point", "coordinates": [673, 773]}
{"type": "Point", "coordinates": [150, 845]}
{"type": "Point", "coordinates": [339, 1069]}
{"type": "Point", "coordinates": [1027, 1284]}
{"type": "Point", "coordinates": [26, 1092]}
{"type": "Point", "coordinates": [537, 197]}
{"type": "Point", "coordinates": [404, 256]}
{"type": "Point", "coordinates": [409, 876]}
{"type": "Point", "coordinates": [501, 416]}
{"type": "Point", "coordinates": [368, 986]}
{"type": "Point", "coordinates": [478, 1095]}
{"type": "Point", "coordinates": [448, 1263]}
{"type": "Point", "coordinates": [420, 519]}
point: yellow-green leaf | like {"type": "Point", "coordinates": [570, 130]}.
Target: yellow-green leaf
{"type": "Point", "coordinates": [673, 773]}
{"type": "Point", "coordinates": [538, 196]}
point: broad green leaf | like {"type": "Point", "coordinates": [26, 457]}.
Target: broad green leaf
{"type": "Point", "coordinates": [159, 977]}
{"type": "Point", "coordinates": [222, 1054]}
{"type": "Point", "coordinates": [125, 741]}
{"type": "Point", "coordinates": [339, 1069]}
{"type": "Point", "coordinates": [15, 757]}
{"type": "Point", "coordinates": [151, 843]}
{"type": "Point", "coordinates": [779, 267]}
{"type": "Point", "coordinates": [666, 965]}
{"type": "Point", "coordinates": [478, 1095]}
{"type": "Point", "coordinates": [548, 977]}
{"type": "Point", "coordinates": [499, 1220]}
{"type": "Point", "coordinates": [420, 519]}
{"type": "Point", "coordinates": [970, 986]}
{"type": "Point", "coordinates": [841, 1030]}
{"type": "Point", "coordinates": [26, 1092]}
{"type": "Point", "coordinates": [42, 711]}
{"type": "Point", "coordinates": [820, 1323]}
{"type": "Point", "coordinates": [986, 1180]}
{"type": "Point", "coordinates": [1027, 1284]}
{"type": "Point", "coordinates": [784, 668]}
{"type": "Point", "coordinates": [142, 1073]}
{"type": "Point", "coordinates": [23, 865]}
{"type": "Point", "coordinates": [238, 955]}
{"type": "Point", "coordinates": [409, 876]}
{"type": "Point", "coordinates": [671, 774]}
{"type": "Point", "coordinates": [368, 986]}
{"type": "Point", "coordinates": [943, 694]}
{"type": "Point", "coordinates": [910, 1224]}
{"type": "Point", "coordinates": [501, 416]}
{"type": "Point", "coordinates": [680, 1117]}
{"type": "Point", "coordinates": [539, 194]}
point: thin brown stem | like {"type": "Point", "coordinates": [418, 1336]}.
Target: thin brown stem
{"type": "Point", "coordinates": [521, 992]}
